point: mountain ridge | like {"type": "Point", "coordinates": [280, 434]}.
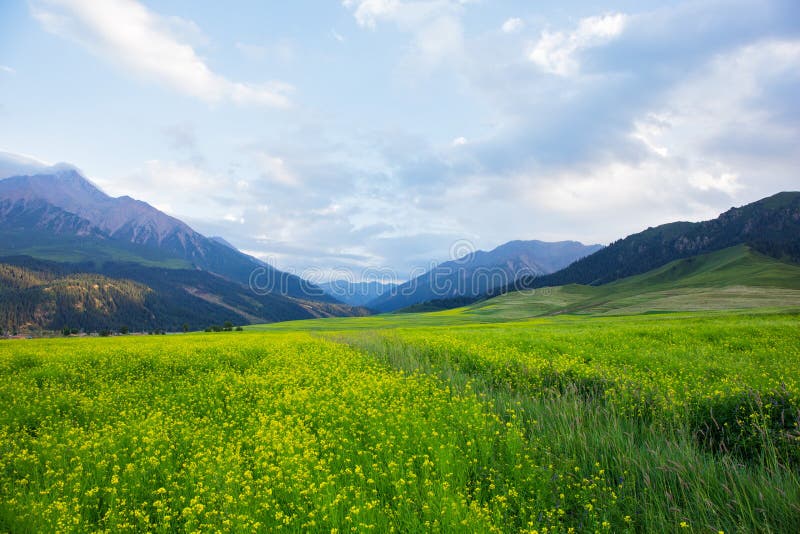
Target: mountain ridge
{"type": "Point", "coordinates": [356, 293]}
{"type": "Point", "coordinates": [59, 200]}
{"type": "Point", "coordinates": [480, 271]}
{"type": "Point", "coordinates": [770, 226]}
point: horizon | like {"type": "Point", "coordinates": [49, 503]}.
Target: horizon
{"type": "Point", "coordinates": [368, 134]}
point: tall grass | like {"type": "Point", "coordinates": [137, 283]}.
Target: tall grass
{"type": "Point", "coordinates": [668, 479]}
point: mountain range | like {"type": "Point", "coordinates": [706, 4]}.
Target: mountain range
{"type": "Point", "coordinates": [93, 261]}
{"type": "Point", "coordinates": [770, 226]}
{"type": "Point", "coordinates": [73, 256]}
{"type": "Point", "coordinates": [479, 272]}
{"type": "Point", "coordinates": [356, 293]}
{"type": "Point", "coordinates": [61, 214]}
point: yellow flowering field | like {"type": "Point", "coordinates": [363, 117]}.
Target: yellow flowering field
{"type": "Point", "coordinates": [699, 413]}
{"type": "Point", "coordinates": [744, 369]}
{"type": "Point", "coordinates": [676, 423]}
{"type": "Point", "coordinates": [253, 432]}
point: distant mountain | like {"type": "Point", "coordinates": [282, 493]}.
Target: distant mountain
{"type": "Point", "coordinates": [355, 293]}
{"type": "Point", "coordinates": [479, 272]}
{"type": "Point", "coordinates": [770, 226]}
{"type": "Point", "coordinates": [734, 278]}
{"type": "Point", "coordinates": [222, 241]}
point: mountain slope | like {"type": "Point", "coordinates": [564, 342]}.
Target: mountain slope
{"type": "Point", "coordinates": [104, 262]}
{"type": "Point", "coordinates": [35, 295]}
{"type": "Point", "coordinates": [733, 278]}
{"type": "Point", "coordinates": [771, 226]}
{"type": "Point", "coordinates": [41, 213]}
{"type": "Point", "coordinates": [481, 271]}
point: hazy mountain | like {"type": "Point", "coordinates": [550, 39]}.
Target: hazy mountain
{"type": "Point", "coordinates": [355, 293]}
{"type": "Point", "coordinates": [18, 165]}
{"type": "Point", "coordinates": [222, 241]}
{"type": "Point", "coordinates": [770, 226]}
{"type": "Point", "coordinates": [58, 214]}
{"type": "Point", "coordinates": [481, 271]}
{"type": "Point", "coordinates": [102, 262]}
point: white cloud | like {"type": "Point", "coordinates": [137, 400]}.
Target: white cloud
{"type": "Point", "coordinates": [128, 33]}
{"type": "Point", "coordinates": [368, 12]}
{"type": "Point", "coordinates": [556, 52]}
{"type": "Point", "coordinates": [513, 25]}
{"type": "Point", "coordinates": [338, 36]}
{"type": "Point", "coordinates": [648, 130]}
{"type": "Point", "coordinates": [726, 182]}
{"type": "Point", "coordinates": [7, 69]}
{"type": "Point", "coordinates": [435, 25]}
{"type": "Point", "coordinates": [178, 188]}
{"type": "Point", "coordinates": [459, 141]}
{"type": "Point", "coordinates": [720, 121]}
{"type": "Point", "coordinates": [229, 217]}
{"type": "Point", "coordinates": [274, 169]}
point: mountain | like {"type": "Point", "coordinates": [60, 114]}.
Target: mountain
{"type": "Point", "coordinates": [479, 272]}
{"type": "Point", "coordinates": [735, 278]}
{"type": "Point", "coordinates": [58, 214]}
{"type": "Point", "coordinates": [102, 262]}
{"type": "Point", "coordinates": [356, 293]}
{"type": "Point", "coordinates": [222, 241]}
{"type": "Point", "coordinates": [770, 226]}
{"type": "Point", "coordinates": [41, 295]}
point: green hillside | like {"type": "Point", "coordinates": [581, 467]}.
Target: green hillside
{"type": "Point", "coordinates": [83, 249]}
{"type": "Point", "coordinates": [770, 226]}
{"type": "Point", "coordinates": [735, 278]}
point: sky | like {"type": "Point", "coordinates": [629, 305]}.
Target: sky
{"type": "Point", "coordinates": [328, 135]}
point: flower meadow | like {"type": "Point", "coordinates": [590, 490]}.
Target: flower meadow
{"type": "Point", "coordinates": [668, 424]}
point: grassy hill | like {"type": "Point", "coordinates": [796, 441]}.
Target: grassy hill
{"type": "Point", "coordinates": [83, 249]}
{"type": "Point", "coordinates": [770, 226]}
{"type": "Point", "coordinates": [735, 278]}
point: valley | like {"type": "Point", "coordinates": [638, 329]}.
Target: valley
{"type": "Point", "coordinates": [399, 266]}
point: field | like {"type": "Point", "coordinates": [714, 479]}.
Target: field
{"type": "Point", "coordinates": [656, 423]}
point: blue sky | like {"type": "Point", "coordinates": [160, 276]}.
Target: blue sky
{"type": "Point", "coordinates": [377, 133]}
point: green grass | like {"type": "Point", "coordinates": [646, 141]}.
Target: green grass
{"type": "Point", "coordinates": [254, 432]}
{"type": "Point", "coordinates": [596, 416]}
{"type": "Point", "coordinates": [593, 423]}
{"type": "Point", "coordinates": [67, 249]}
{"type": "Point", "coordinates": [734, 278]}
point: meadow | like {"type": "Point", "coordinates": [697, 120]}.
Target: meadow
{"type": "Point", "coordinates": [680, 422]}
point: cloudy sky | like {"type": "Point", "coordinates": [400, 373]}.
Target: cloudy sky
{"type": "Point", "coordinates": [376, 133]}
